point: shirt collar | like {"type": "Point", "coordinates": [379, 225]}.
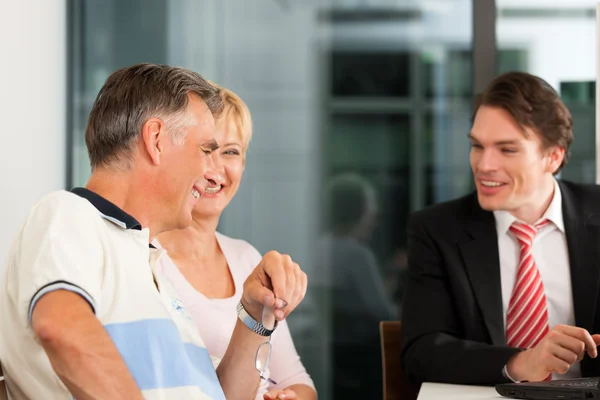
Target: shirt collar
{"type": "Point", "coordinates": [108, 210]}
{"type": "Point", "coordinates": [504, 219]}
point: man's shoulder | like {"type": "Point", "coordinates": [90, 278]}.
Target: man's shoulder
{"type": "Point", "coordinates": [61, 198]}
{"type": "Point", "coordinates": [56, 212]}
{"type": "Point", "coordinates": [63, 203]}
{"type": "Point", "coordinates": [581, 191]}
{"type": "Point", "coordinates": [449, 212]}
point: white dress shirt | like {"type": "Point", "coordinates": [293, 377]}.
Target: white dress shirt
{"type": "Point", "coordinates": [551, 257]}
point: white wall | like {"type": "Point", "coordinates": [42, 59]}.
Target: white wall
{"type": "Point", "coordinates": [560, 49]}
{"type": "Point", "coordinates": [32, 108]}
{"type": "Point", "coordinates": [547, 4]}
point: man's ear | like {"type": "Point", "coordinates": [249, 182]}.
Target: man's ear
{"type": "Point", "coordinates": [556, 155]}
{"type": "Point", "coordinates": [153, 137]}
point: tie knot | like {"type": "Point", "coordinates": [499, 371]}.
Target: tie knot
{"type": "Point", "coordinates": [526, 232]}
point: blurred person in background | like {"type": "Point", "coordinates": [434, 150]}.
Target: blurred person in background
{"type": "Point", "coordinates": [353, 283]}
{"type": "Point", "coordinates": [208, 269]}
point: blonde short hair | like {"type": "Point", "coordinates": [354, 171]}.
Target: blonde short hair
{"type": "Point", "coordinates": [235, 111]}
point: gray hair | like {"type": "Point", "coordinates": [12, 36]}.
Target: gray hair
{"type": "Point", "coordinates": [131, 96]}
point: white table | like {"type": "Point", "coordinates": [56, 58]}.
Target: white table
{"type": "Point", "coordinates": [442, 391]}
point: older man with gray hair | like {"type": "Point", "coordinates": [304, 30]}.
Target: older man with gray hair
{"type": "Point", "coordinates": [84, 314]}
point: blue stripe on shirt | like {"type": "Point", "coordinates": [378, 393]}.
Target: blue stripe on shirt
{"type": "Point", "coordinates": [158, 358]}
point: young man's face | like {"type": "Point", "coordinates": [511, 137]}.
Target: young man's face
{"type": "Point", "coordinates": [512, 171]}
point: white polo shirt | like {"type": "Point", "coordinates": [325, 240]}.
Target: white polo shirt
{"type": "Point", "coordinates": [79, 241]}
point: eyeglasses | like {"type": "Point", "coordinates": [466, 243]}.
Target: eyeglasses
{"type": "Point", "coordinates": [263, 353]}
{"type": "Point", "coordinates": [262, 360]}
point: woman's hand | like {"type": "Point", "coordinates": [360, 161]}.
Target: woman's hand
{"type": "Point", "coordinates": [276, 394]}
{"type": "Point", "coordinates": [276, 282]}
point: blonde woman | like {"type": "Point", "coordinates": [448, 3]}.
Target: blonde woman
{"type": "Point", "coordinates": [208, 269]}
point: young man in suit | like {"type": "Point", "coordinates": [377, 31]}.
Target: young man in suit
{"type": "Point", "coordinates": [503, 283]}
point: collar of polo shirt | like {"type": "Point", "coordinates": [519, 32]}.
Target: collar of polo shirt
{"type": "Point", "coordinates": [108, 210]}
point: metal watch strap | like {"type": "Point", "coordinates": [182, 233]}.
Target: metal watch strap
{"type": "Point", "coordinates": [251, 323]}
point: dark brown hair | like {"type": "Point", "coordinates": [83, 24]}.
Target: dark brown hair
{"type": "Point", "coordinates": [534, 104]}
{"type": "Point", "coordinates": [131, 96]}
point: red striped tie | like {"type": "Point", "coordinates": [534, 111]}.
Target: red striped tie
{"type": "Point", "coordinates": [527, 316]}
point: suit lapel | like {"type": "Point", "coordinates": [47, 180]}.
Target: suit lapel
{"type": "Point", "coordinates": [582, 230]}
{"type": "Point", "coordinates": [480, 254]}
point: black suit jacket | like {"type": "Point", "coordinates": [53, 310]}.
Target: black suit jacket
{"type": "Point", "coordinates": [452, 322]}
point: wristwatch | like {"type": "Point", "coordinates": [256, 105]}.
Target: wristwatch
{"type": "Point", "coordinates": [251, 323]}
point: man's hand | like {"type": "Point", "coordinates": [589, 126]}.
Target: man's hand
{"type": "Point", "coordinates": [562, 347]}
{"type": "Point", "coordinates": [276, 282]}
